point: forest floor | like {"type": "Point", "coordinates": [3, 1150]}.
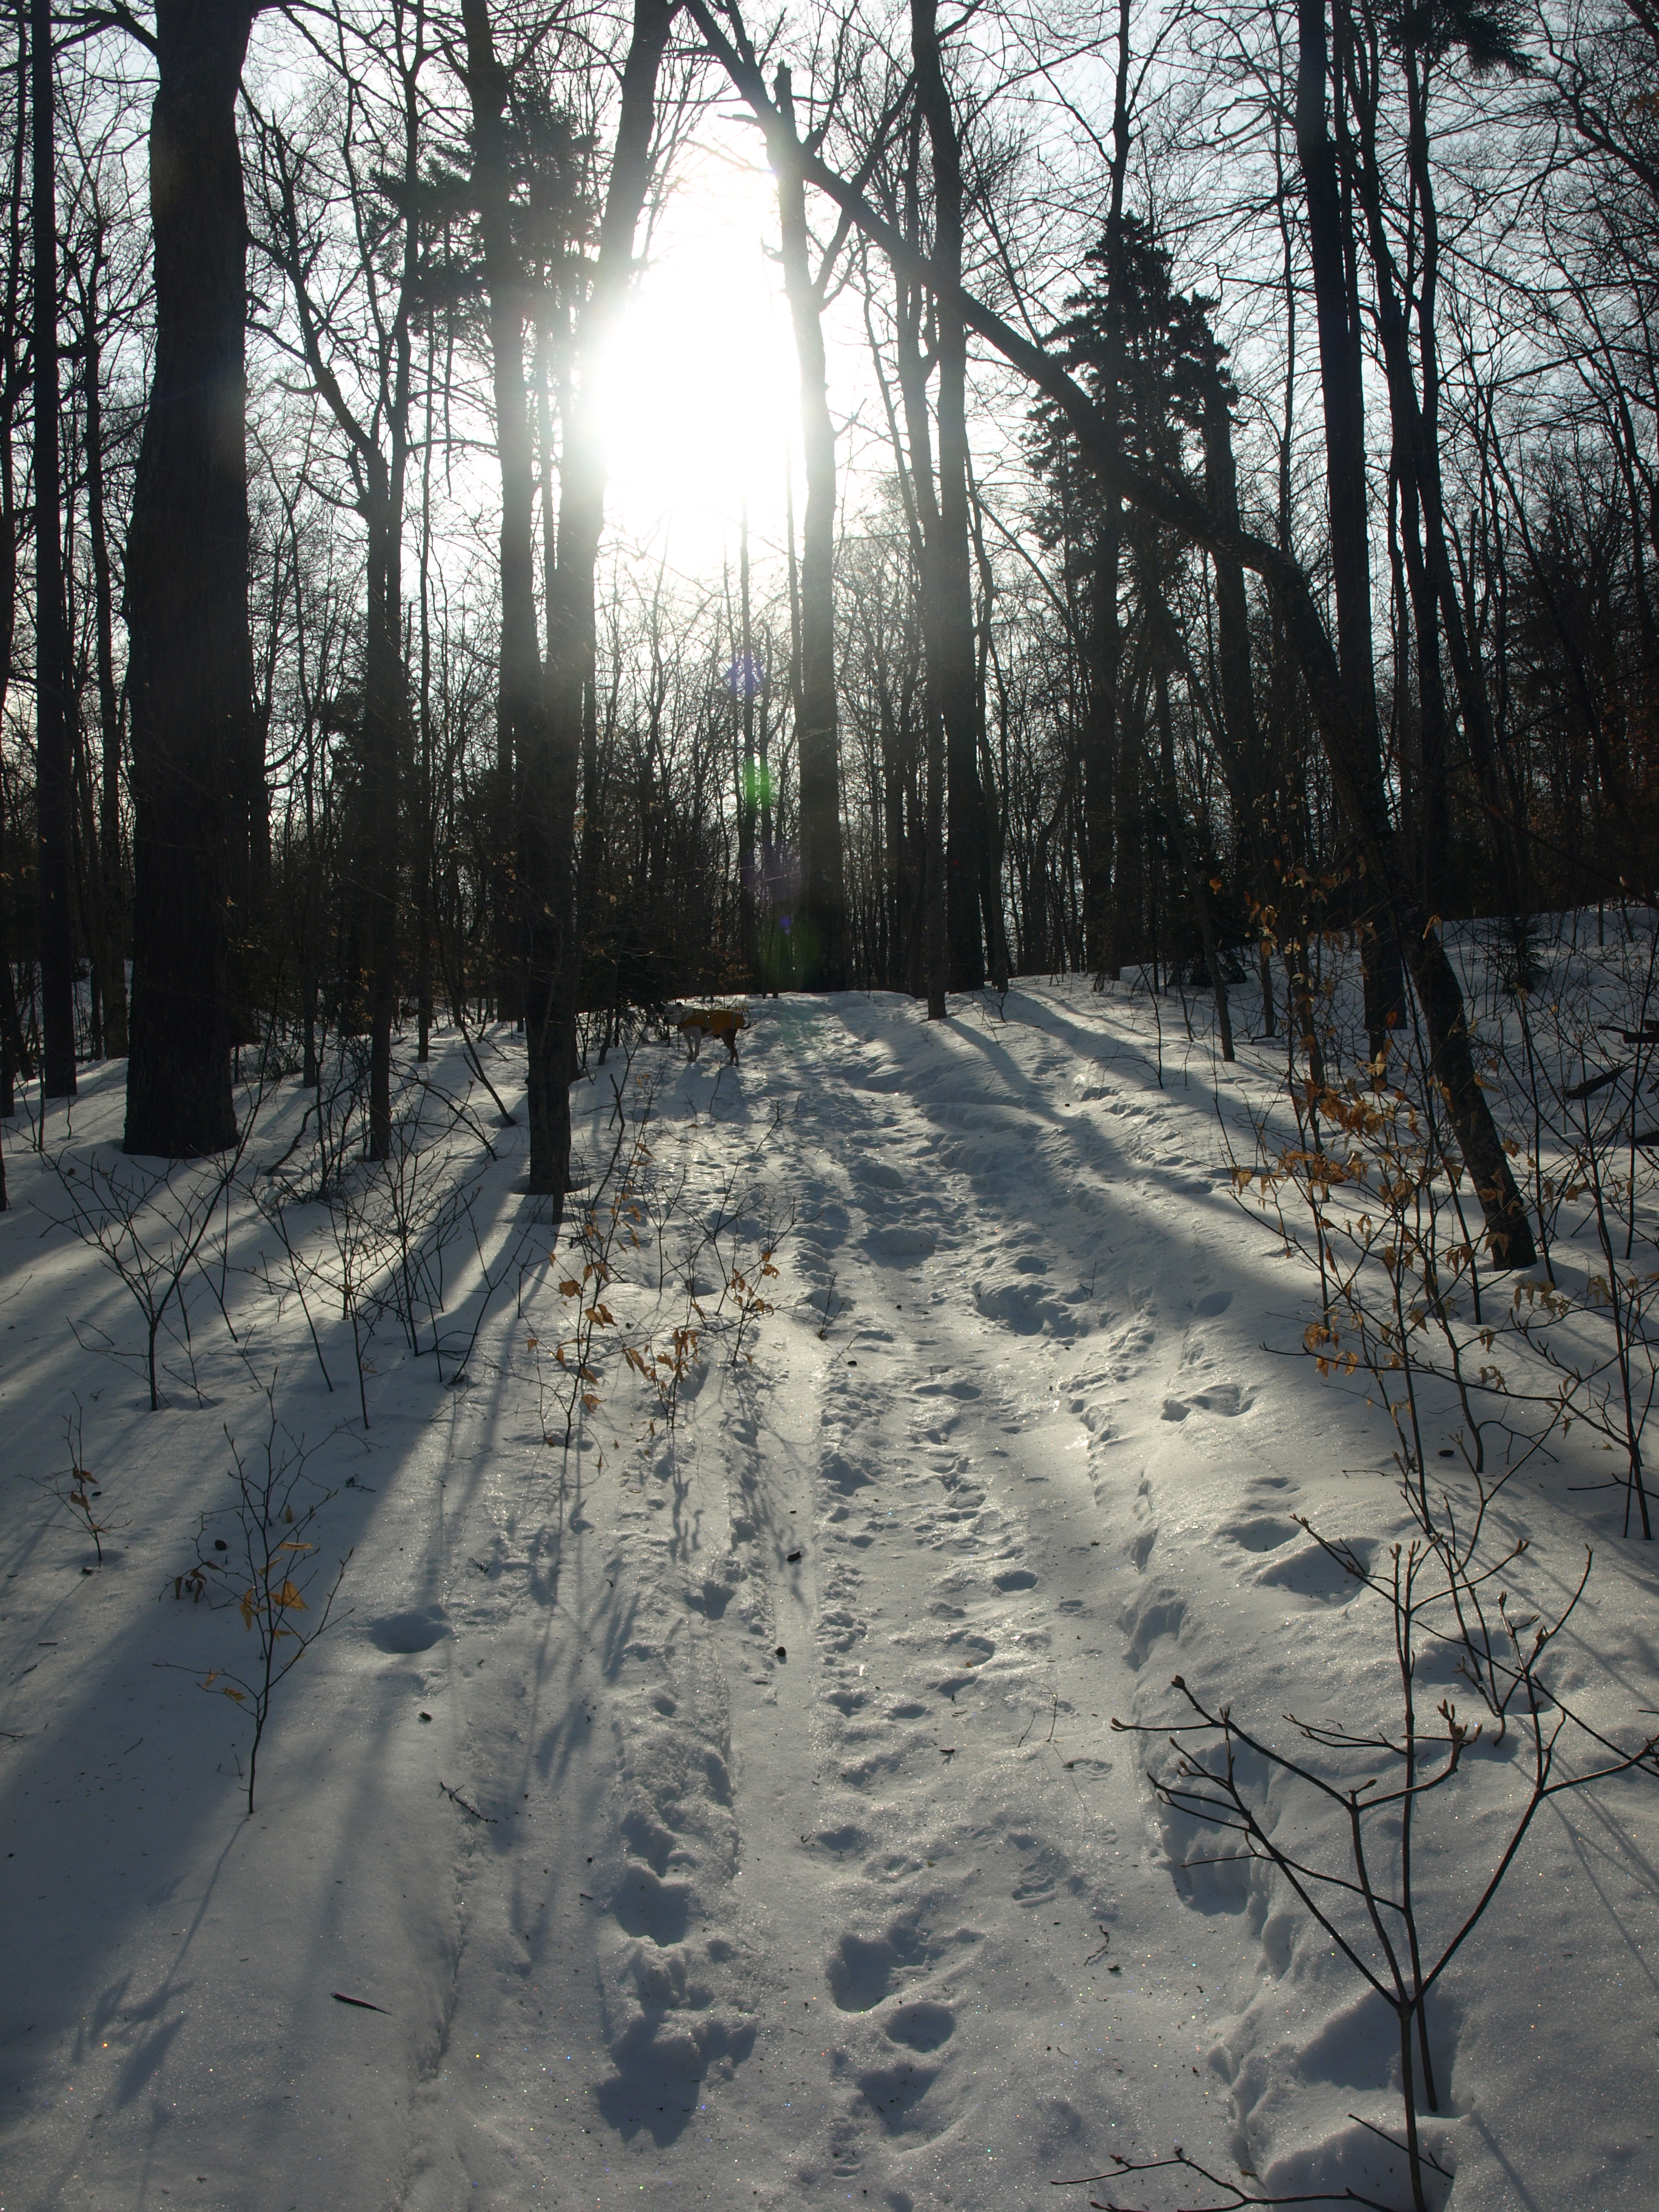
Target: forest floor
{"type": "Point", "coordinates": [726, 1807]}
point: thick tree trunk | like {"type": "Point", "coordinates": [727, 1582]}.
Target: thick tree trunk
{"type": "Point", "coordinates": [746, 683]}
{"type": "Point", "coordinates": [934, 937]}
{"type": "Point", "coordinates": [1111, 826]}
{"type": "Point", "coordinates": [950, 580]}
{"type": "Point", "coordinates": [1240, 732]}
{"type": "Point", "coordinates": [53, 687]}
{"type": "Point", "coordinates": [550, 781]}
{"type": "Point", "coordinates": [519, 699]}
{"type": "Point", "coordinates": [1244, 764]}
{"type": "Point", "coordinates": [191, 666]}
{"type": "Point", "coordinates": [1415, 420]}
{"type": "Point", "coordinates": [386, 708]}
{"type": "Point", "coordinates": [822, 910]}
{"type": "Point", "coordinates": [548, 735]}
{"type": "Point", "coordinates": [108, 870]}
{"type": "Point", "coordinates": [12, 1060]}
{"type": "Point", "coordinates": [1181, 844]}
{"type": "Point", "coordinates": [11, 1055]}
{"type": "Point", "coordinates": [1341, 373]}
{"type": "Point", "coordinates": [993, 818]}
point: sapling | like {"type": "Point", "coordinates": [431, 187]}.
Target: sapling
{"type": "Point", "coordinates": [1235, 2199]}
{"type": "Point", "coordinates": [270, 1567]}
{"type": "Point", "coordinates": [1360, 1883]}
{"type": "Point", "coordinates": [78, 1490]}
{"type": "Point", "coordinates": [149, 1229]}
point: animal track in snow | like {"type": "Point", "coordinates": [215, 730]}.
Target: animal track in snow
{"type": "Point", "coordinates": [861, 1968]}
{"type": "Point", "coordinates": [1267, 1532]}
{"type": "Point", "coordinates": [406, 1633]}
{"type": "Point", "coordinates": [902, 1240]}
{"type": "Point", "coordinates": [1227, 1399]}
{"type": "Point", "coordinates": [894, 2092]}
{"type": "Point", "coordinates": [922, 2026]}
{"type": "Point", "coordinates": [646, 1906]}
{"type": "Point", "coordinates": [1312, 1572]}
{"type": "Point", "coordinates": [1160, 1612]}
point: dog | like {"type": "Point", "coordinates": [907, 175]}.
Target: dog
{"type": "Point", "coordinates": [722, 1022]}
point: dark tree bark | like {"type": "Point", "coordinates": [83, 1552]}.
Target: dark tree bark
{"type": "Point", "coordinates": [1111, 821]}
{"type": "Point", "coordinates": [948, 582]}
{"type": "Point", "coordinates": [53, 683]}
{"type": "Point", "coordinates": [549, 787]}
{"type": "Point", "coordinates": [1340, 368]}
{"type": "Point", "coordinates": [993, 808]}
{"type": "Point", "coordinates": [1244, 757]}
{"type": "Point", "coordinates": [747, 683]}
{"type": "Point", "coordinates": [1437, 608]}
{"type": "Point", "coordinates": [190, 664]}
{"type": "Point", "coordinates": [915, 471]}
{"type": "Point", "coordinates": [549, 736]}
{"type": "Point", "coordinates": [113, 979]}
{"type": "Point", "coordinates": [1187, 857]}
{"type": "Point", "coordinates": [520, 701]}
{"type": "Point", "coordinates": [821, 923]}
{"type": "Point", "coordinates": [13, 384]}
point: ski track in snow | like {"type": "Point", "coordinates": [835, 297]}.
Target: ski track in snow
{"type": "Point", "coordinates": [798, 1861]}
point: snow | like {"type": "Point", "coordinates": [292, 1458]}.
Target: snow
{"type": "Point", "coordinates": [726, 1808]}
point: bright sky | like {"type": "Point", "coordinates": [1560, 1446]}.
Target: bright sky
{"type": "Point", "coordinates": [702, 399]}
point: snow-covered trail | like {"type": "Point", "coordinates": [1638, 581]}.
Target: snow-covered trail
{"type": "Point", "coordinates": [739, 1818]}
{"type": "Point", "coordinates": [867, 1911]}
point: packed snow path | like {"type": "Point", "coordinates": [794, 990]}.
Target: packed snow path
{"type": "Point", "coordinates": [738, 1821]}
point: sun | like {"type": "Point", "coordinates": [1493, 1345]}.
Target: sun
{"type": "Point", "coordinates": [701, 391]}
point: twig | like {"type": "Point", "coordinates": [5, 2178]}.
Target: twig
{"type": "Point", "coordinates": [456, 1798]}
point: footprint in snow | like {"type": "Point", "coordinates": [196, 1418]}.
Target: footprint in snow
{"type": "Point", "coordinates": [860, 1968]}
{"type": "Point", "coordinates": [894, 2092]}
{"type": "Point", "coordinates": [903, 1241]}
{"type": "Point", "coordinates": [1266, 1533]}
{"type": "Point", "coordinates": [1227, 1399]}
{"type": "Point", "coordinates": [884, 1174]}
{"type": "Point", "coordinates": [417, 1629]}
{"type": "Point", "coordinates": [921, 2026]}
{"type": "Point", "coordinates": [1312, 1572]}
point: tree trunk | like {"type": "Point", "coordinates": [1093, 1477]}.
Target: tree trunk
{"type": "Point", "coordinates": [53, 685]}
{"type": "Point", "coordinates": [949, 583]}
{"type": "Point", "coordinates": [519, 701]}
{"type": "Point", "coordinates": [550, 783]}
{"type": "Point", "coordinates": [1417, 458]}
{"type": "Point", "coordinates": [11, 1063]}
{"type": "Point", "coordinates": [1110, 828]}
{"type": "Point", "coordinates": [994, 820]}
{"type": "Point", "coordinates": [550, 734]}
{"type": "Point", "coordinates": [1186, 857]}
{"type": "Point", "coordinates": [108, 870]}
{"type": "Point", "coordinates": [385, 706]}
{"type": "Point", "coordinates": [821, 914]}
{"type": "Point", "coordinates": [190, 662]}
{"type": "Point", "coordinates": [1341, 372]}
{"type": "Point", "coordinates": [745, 684]}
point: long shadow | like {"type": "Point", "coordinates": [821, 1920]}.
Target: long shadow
{"type": "Point", "coordinates": [1039, 1187]}
{"type": "Point", "coordinates": [109, 1910]}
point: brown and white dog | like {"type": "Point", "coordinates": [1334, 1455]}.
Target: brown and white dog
{"type": "Point", "coordinates": [722, 1022]}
